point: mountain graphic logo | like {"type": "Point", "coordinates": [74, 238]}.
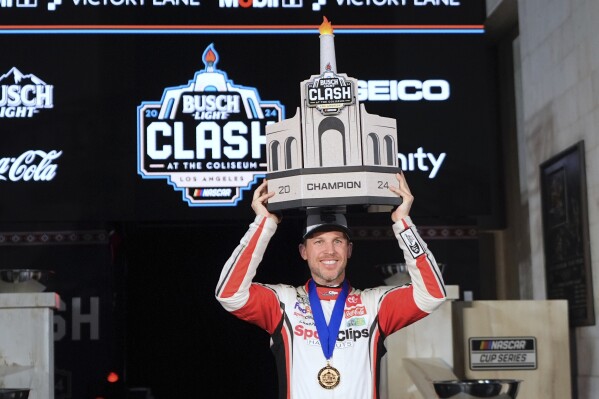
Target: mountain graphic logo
{"type": "Point", "coordinates": [16, 77]}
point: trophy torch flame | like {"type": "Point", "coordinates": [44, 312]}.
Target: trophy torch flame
{"type": "Point", "coordinates": [327, 47]}
{"type": "Point", "coordinates": [325, 28]}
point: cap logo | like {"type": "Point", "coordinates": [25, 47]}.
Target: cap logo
{"type": "Point", "coordinates": [328, 218]}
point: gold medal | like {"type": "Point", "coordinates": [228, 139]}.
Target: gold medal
{"type": "Point", "coordinates": [329, 377]}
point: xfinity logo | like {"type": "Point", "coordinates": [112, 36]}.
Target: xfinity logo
{"type": "Point", "coordinates": [422, 161]}
{"type": "Point", "coordinates": [403, 90]}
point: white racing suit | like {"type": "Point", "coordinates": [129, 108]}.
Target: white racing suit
{"type": "Point", "coordinates": [369, 315]}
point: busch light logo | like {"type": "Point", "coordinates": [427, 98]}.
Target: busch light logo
{"type": "Point", "coordinates": [22, 96]}
{"type": "Point", "coordinates": [207, 137]}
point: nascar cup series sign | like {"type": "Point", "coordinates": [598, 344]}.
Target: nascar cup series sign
{"type": "Point", "coordinates": [503, 353]}
{"type": "Point", "coordinates": [206, 137]}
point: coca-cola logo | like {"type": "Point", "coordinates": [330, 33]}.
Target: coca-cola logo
{"type": "Point", "coordinates": [357, 311]}
{"type": "Point", "coordinates": [32, 165]}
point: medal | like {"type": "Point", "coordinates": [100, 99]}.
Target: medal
{"type": "Point", "coordinates": [329, 377]}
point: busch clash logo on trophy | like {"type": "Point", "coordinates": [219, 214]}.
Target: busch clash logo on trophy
{"type": "Point", "coordinates": [206, 137]}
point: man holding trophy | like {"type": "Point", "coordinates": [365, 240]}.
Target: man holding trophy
{"type": "Point", "coordinates": [327, 336]}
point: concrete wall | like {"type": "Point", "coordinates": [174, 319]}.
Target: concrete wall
{"type": "Point", "coordinates": [556, 86]}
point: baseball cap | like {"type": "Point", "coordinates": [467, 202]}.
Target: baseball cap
{"type": "Point", "coordinates": [326, 222]}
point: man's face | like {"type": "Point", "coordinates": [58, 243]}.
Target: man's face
{"type": "Point", "coordinates": [327, 254]}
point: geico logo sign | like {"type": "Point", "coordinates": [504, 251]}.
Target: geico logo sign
{"type": "Point", "coordinates": [403, 90]}
{"type": "Point", "coordinates": [260, 3]}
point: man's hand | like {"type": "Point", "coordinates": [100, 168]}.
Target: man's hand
{"type": "Point", "coordinates": [261, 196]}
{"type": "Point", "coordinates": [403, 191]}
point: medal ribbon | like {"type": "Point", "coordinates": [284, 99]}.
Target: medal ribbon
{"type": "Point", "coordinates": [327, 333]}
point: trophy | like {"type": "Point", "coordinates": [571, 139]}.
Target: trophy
{"type": "Point", "coordinates": [333, 153]}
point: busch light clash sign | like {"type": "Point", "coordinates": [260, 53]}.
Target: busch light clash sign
{"type": "Point", "coordinates": [329, 92]}
{"type": "Point", "coordinates": [206, 137]}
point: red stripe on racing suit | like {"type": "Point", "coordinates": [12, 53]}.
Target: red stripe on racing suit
{"type": "Point", "coordinates": [369, 315]}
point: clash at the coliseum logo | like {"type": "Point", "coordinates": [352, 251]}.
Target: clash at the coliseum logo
{"type": "Point", "coordinates": [206, 137]}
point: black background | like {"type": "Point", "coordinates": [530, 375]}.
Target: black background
{"type": "Point", "coordinates": [100, 80]}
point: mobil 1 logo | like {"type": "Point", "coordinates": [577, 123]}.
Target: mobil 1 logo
{"type": "Point", "coordinates": [206, 138]}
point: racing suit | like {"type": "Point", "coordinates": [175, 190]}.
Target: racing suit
{"type": "Point", "coordinates": [370, 315]}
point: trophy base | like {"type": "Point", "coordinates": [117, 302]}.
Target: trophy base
{"type": "Point", "coordinates": [334, 186]}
